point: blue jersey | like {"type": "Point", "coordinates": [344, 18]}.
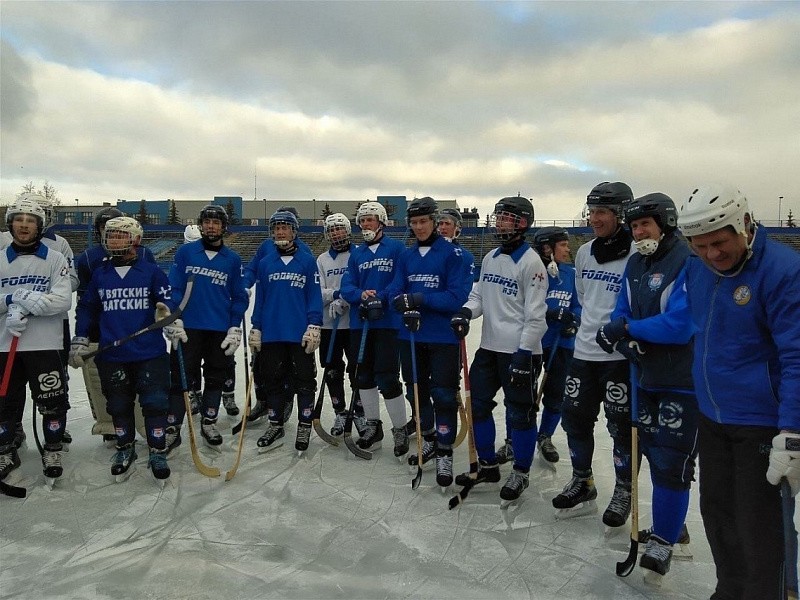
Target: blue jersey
{"type": "Point", "coordinates": [440, 273]}
{"type": "Point", "coordinates": [561, 294]}
{"type": "Point", "coordinates": [123, 300]}
{"type": "Point", "coordinates": [267, 247]}
{"type": "Point", "coordinates": [288, 297]}
{"type": "Point", "coordinates": [371, 267]}
{"type": "Point", "coordinates": [219, 299]}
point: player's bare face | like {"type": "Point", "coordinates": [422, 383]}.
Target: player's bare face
{"type": "Point", "coordinates": [721, 249]}
{"type": "Point", "coordinates": [370, 222]}
{"type": "Point", "coordinates": [337, 235]}
{"type": "Point", "coordinates": [603, 221]}
{"type": "Point", "coordinates": [282, 232]}
{"type": "Point", "coordinates": [212, 227]}
{"type": "Point", "coordinates": [447, 228]}
{"type": "Point", "coordinates": [645, 228]}
{"type": "Point", "coordinates": [23, 229]}
{"type": "Point", "coordinates": [422, 226]}
{"type": "Point", "coordinates": [561, 252]}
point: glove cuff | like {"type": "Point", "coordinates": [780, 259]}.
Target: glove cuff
{"type": "Point", "coordinates": [465, 312]}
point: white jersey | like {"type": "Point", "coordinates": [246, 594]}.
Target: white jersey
{"type": "Point", "coordinates": [57, 243]}
{"type": "Point", "coordinates": [510, 294]}
{"type": "Point", "coordinates": [45, 271]}
{"type": "Point", "coordinates": [598, 286]}
{"type": "Point", "coordinates": [331, 269]}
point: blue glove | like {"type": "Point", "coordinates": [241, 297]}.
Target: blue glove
{"type": "Point", "coordinates": [610, 334]}
{"type": "Point", "coordinates": [411, 319]}
{"type": "Point", "coordinates": [404, 302]}
{"type": "Point", "coordinates": [460, 322]}
{"type": "Point", "coordinates": [520, 368]}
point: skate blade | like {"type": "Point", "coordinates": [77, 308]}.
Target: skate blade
{"type": "Point", "coordinates": [50, 482]}
{"type": "Point", "coordinates": [270, 448]}
{"type": "Point", "coordinates": [64, 447]}
{"type": "Point", "coordinates": [215, 448]}
{"type": "Point", "coordinates": [446, 489]}
{"type": "Point", "coordinates": [652, 578]}
{"type": "Point", "coordinates": [551, 466]}
{"type": "Point", "coordinates": [584, 508]}
{"type": "Point", "coordinates": [510, 504]}
{"type": "Point", "coordinates": [124, 476]}
{"type": "Point", "coordinates": [300, 453]}
{"type": "Point", "coordinates": [372, 448]}
{"type": "Point", "coordinates": [610, 532]}
{"type": "Point", "coordinates": [161, 483]}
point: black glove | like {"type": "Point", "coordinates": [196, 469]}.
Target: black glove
{"type": "Point", "coordinates": [460, 322]}
{"type": "Point", "coordinates": [631, 350]}
{"type": "Point", "coordinates": [404, 302]}
{"type": "Point", "coordinates": [559, 315]}
{"type": "Point", "coordinates": [411, 320]}
{"type": "Point", "coordinates": [521, 368]}
{"type": "Point", "coordinates": [610, 334]}
{"type": "Point", "coordinates": [371, 309]}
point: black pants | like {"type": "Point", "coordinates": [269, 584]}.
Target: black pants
{"type": "Point", "coordinates": [741, 510]}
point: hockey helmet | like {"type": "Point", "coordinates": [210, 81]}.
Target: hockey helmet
{"type": "Point", "coordinates": [127, 229]}
{"type": "Point", "coordinates": [516, 211]}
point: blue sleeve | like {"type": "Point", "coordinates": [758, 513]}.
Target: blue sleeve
{"type": "Point", "coordinates": [160, 289]}
{"type": "Point", "coordinates": [454, 296]}
{"type": "Point", "coordinates": [251, 270]}
{"type": "Point", "coordinates": [350, 290]}
{"type": "Point", "coordinates": [177, 277]}
{"type": "Point", "coordinates": [255, 320]}
{"type": "Point", "coordinates": [673, 325]}
{"type": "Point", "coordinates": [84, 272]}
{"type": "Point", "coordinates": [313, 294]}
{"type": "Point", "coordinates": [88, 309]}
{"type": "Point", "coordinates": [623, 307]}
{"type": "Point", "coordinates": [239, 298]}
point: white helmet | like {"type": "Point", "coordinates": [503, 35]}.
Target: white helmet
{"type": "Point", "coordinates": [191, 234]}
{"type": "Point", "coordinates": [337, 231]}
{"type": "Point", "coordinates": [127, 225]}
{"type": "Point", "coordinates": [26, 205]}
{"type": "Point", "coordinates": [45, 203]}
{"type": "Point", "coordinates": [374, 209]}
{"type": "Point", "coordinates": [711, 208]}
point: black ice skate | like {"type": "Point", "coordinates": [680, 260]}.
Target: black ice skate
{"type": "Point", "coordinates": [288, 409]}
{"type": "Point", "coordinates": [66, 440]}
{"type": "Point", "coordinates": [656, 560]}
{"type": "Point", "coordinates": [577, 499]}
{"type": "Point", "coordinates": [272, 438]}
{"type": "Point", "coordinates": [173, 439]}
{"type": "Point", "coordinates": [303, 438]}
{"type": "Point", "coordinates": [547, 451]}
{"type": "Point", "coordinates": [487, 473]}
{"type": "Point", "coordinates": [411, 428]}
{"type": "Point", "coordinates": [210, 433]}
{"type": "Point", "coordinates": [257, 412]}
{"type": "Point", "coordinates": [444, 468]}
{"type": "Point", "coordinates": [400, 442]}
{"type": "Point", "coordinates": [9, 460]}
{"type": "Point", "coordinates": [516, 483]}
{"type": "Point", "coordinates": [51, 463]}
{"type": "Point", "coordinates": [338, 424]}
{"type": "Point", "coordinates": [505, 453]}
{"type": "Point", "coordinates": [428, 451]}
{"type": "Point", "coordinates": [124, 462]}
{"type": "Point", "coordinates": [158, 466]}
{"type": "Point", "coordinates": [371, 436]}
{"type": "Point", "coordinates": [619, 507]}
{"type": "Point", "coordinates": [230, 404]}
{"type": "Point", "coordinates": [19, 436]}
{"type": "Point", "coordinates": [361, 423]}
{"type": "Point", "coordinates": [680, 551]}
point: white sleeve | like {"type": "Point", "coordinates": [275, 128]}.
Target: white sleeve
{"type": "Point", "coordinates": [60, 292]}
{"type": "Point", "coordinates": [327, 292]}
{"type": "Point", "coordinates": [66, 250]}
{"type": "Point", "coordinates": [534, 283]}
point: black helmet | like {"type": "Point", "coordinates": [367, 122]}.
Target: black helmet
{"type": "Point", "coordinates": [420, 207]}
{"type": "Point", "coordinates": [213, 211]}
{"type": "Point", "coordinates": [612, 195]}
{"type": "Point", "coordinates": [657, 205]}
{"type": "Point", "coordinates": [549, 236]}
{"type": "Point", "coordinates": [453, 214]}
{"type": "Point", "coordinates": [103, 216]}
{"type": "Point", "coordinates": [521, 209]}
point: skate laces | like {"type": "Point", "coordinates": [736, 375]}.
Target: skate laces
{"type": "Point", "coordinates": [444, 465]}
{"type": "Point", "coordinates": [122, 455]}
{"type": "Point", "coordinates": [517, 480]}
{"type": "Point", "coordinates": [546, 444]}
{"type": "Point", "coordinates": [51, 458]}
{"type": "Point", "coordinates": [303, 433]}
{"type": "Point", "coordinates": [272, 433]}
{"type": "Point", "coordinates": [573, 488]}
{"type": "Point", "coordinates": [400, 436]}
{"type": "Point", "coordinates": [338, 423]}
{"type": "Point", "coordinates": [658, 549]}
{"type": "Point", "coordinates": [210, 429]}
{"type": "Point", "coordinates": [158, 460]}
{"type": "Point", "coordinates": [621, 501]}
{"type": "Point", "coordinates": [228, 401]}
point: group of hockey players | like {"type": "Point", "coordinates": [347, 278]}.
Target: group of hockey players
{"type": "Point", "coordinates": [689, 343]}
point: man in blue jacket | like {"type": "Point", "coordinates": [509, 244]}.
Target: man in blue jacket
{"type": "Point", "coordinates": [744, 300]}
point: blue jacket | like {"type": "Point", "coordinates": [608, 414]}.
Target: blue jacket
{"type": "Point", "coordinates": [267, 247]}
{"type": "Point", "coordinates": [561, 294]}
{"type": "Point", "coordinates": [123, 306]}
{"type": "Point", "coordinates": [747, 338]}
{"type": "Point", "coordinates": [218, 300]}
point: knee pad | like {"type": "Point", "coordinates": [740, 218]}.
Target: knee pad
{"type": "Point", "coordinates": [575, 425]}
{"type": "Point", "coordinates": [671, 468]}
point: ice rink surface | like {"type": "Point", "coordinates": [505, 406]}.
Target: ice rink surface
{"type": "Point", "coordinates": [324, 525]}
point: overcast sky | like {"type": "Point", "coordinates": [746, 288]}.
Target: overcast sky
{"type": "Point", "coordinates": [349, 100]}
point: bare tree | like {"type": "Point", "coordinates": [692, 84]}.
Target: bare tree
{"type": "Point", "coordinates": [47, 190]}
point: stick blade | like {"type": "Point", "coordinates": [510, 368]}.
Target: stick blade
{"type": "Point", "coordinates": [12, 490]}
{"type": "Point", "coordinates": [625, 567]}
{"type": "Point", "coordinates": [417, 478]}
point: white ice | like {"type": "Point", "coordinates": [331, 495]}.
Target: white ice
{"type": "Point", "coordinates": [327, 525]}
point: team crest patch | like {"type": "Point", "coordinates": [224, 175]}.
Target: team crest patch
{"type": "Point", "coordinates": [158, 432]}
{"type": "Point", "coordinates": [54, 425]}
{"type": "Point", "coordinates": [742, 295]}
{"type": "Point", "coordinates": [655, 281]}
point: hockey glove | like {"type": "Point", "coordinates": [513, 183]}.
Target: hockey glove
{"type": "Point", "coordinates": [784, 460]}
{"type": "Point", "coordinates": [630, 349]}
{"type": "Point", "coordinates": [16, 320]}
{"type": "Point", "coordinates": [371, 309]}
{"type": "Point", "coordinates": [520, 368]}
{"type": "Point", "coordinates": [162, 311]}
{"type": "Point", "coordinates": [35, 303]}
{"type": "Point", "coordinates": [337, 307]}
{"type": "Point", "coordinates": [559, 315]}
{"type": "Point", "coordinates": [411, 319]}
{"type": "Point", "coordinates": [232, 341]}
{"type": "Point", "coordinates": [311, 338]}
{"type": "Point", "coordinates": [175, 333]}
{"type": "Point", "coordinates": [460, 322]}
{"type": "Point", "coordinates": [254, 340]}
{"type": "Point", "coordinates": [404, 302]}
{"type": "Point", "coordinates": [610, 334]}
{"type": "Point", "coordinates": [79, 346]}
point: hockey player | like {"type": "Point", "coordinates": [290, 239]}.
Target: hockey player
{"type": "Point", "coordinates": [126, 294]}
{"type": "Point", "coordinates": [212, 319]}
{"type": "Point", "coordinates": [431, 282]}
{"type": "Point", "coordinates": [370, 270]}
{"type": "Point", "coordinates": [652, 312]}
{"type": "Point", "coordinates": [85, 265]}
{"type": "Point", "coordinates": [510, 295]}
{"type": "Point", "coordinates": [744, 300]}
{"type": "Point", "coordinates": [286, 324]}
{"type": "Point", "coordinates": [595, 378]}
{"type": "Point", "coordinates": [332, 266]}
{"type": "Point", "coordinates": [35, 292]}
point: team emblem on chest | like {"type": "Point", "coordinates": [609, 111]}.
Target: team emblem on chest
{"type": "Point", "coordinates": [655, 280]}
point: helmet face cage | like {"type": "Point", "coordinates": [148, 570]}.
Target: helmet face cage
{"type": "Point", "coordinates": [711, 208]}
{"type": "Point", "coordinates": [374, 209]}
{"type": "Point", "coordinates": [122, 228]}
{"type": "Point", "coordinates": [515, 214]}
{"type": "Point", "coordinates": [283, 217]}
{"type": "Point", "coordinates": [103, 216]}
{"type": "Point", "coordinates": [213, 211]}
{"type": "Point", "coordinates": [337, 231]}
{"type": "Point", "coordinates": [26, 205]}
{"type": "Point", "coordinates": [658, 206]}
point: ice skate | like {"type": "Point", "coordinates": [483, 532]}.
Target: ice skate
{"type": "Point", "coordinates": [444, 469]}
{"type": "Point", "coordinates": [124, 462]}
{"type": "Point", "coordinates": [9, 460]}
{"type": "Point", "coordinates": [257, 412]}
{"type": "Point", "coordinates": [361, 423]}
{"type": "Point", "coordinates": [19, 436]}
{"type": "Point", "coordinates": [371, 436]}
{"type": "Point", "coordinates": [173, 439]}
{"type": "Point", "coordinates": [411, 428]}
{"type": "Point", "coordinates": [288, 409]}
{"type": "Point", "coordinates": [158, 466]}
{"type": "Point", "coordinates": [577, 499]}
{"type": "Point", "coordinates": [303, 438]}
{"type": "Point", "coordinates": [51, 463]}
{"type": "Point", "coordinates": [547, 451]}
{"type": "Point", "coordinates": [66, 440]}
{"type": "Point", "coordinates": [618, 509]}
{"type": "Point", "coordinates": [338, 424]}
{"type": "Point", "coordinates": [400, 442]}
{"type": "Point", "coordinates": [272, 438]}
{"type": "Point", "coordinates": [428, 452]}
{"type": "Point", "coordinates": [656, 560]}
{"type": "Point", "coordinates": [516, 483]}
{"type": "Point", "coordinates": [505, 453]}
{"type": "Point", "coordinates": [681, 550]}
{"type": "Point", "coordinates": [109, 440]}
{"type": "Point", "coordinates": [230, 404]}
{"type": "Point", "coordinates": [487, 473]}
{"type": "Point", "coordinates": [211, 435]}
